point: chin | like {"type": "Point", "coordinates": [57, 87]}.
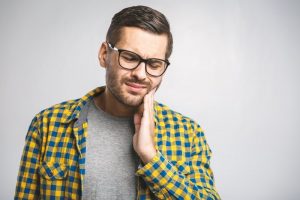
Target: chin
{"type": "Point", "coordinates": [128, 98]}
{"type": "Point", "coordinates": [133, 102]}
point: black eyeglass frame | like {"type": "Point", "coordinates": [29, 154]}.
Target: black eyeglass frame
{"type": "Point", "coordinates": [140, 60]}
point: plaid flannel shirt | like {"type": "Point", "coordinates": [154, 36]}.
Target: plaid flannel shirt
{"type": "Point", "coordinates": [52, 163]}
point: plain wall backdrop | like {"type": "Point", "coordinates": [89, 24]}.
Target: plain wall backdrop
{"type": "Point", "coordinates": [235, 70]}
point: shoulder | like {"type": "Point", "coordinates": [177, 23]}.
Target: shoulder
{"type": "Point", "coordinates": [52, 116]}
{"type": "Point", "coordinates": [175, 124]}
{"type": "Point", "coordinates": [58, 112]}
{"type": "Point", "coordinates": [68, 110]}
{"type": "Point", "coordinates": [170, 116]}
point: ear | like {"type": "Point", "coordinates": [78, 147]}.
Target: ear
{"type": "Point", "coordinates": [103, 54]}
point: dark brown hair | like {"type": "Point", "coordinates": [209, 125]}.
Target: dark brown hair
{"type": "Point", "coordinates": [142, 17]}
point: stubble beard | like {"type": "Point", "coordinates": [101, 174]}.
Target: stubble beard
{"type": "Point", "coordinates": [116, 88]}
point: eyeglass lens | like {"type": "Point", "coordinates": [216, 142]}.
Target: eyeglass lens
{"type": "Point", "coordinates": [130, 60]}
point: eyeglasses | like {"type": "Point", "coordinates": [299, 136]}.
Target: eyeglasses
{"type": "Point", "coordinates": [130, 60]}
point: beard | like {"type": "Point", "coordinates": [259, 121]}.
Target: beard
{"type": "Point", "coordinates": [117, 88]}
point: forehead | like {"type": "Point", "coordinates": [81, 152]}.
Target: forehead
{"type": "Point", "coordinates": [144, 43]}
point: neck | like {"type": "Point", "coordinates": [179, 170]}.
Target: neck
{"type": "Point", "coordinates": [109, 104]}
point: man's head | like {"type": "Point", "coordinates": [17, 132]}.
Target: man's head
{"type": "Point", "coordinates": [146, 33]}
{"type": "Point", "coordinates": [141, 17]}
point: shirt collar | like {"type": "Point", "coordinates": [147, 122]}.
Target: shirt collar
{"type": "Point", "coordinates": [82, 103]}
{"type": "Point", "coordinates": [80, 111]}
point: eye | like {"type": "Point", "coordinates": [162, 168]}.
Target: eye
{"type": "Point", "coordinates": [129, 57]}
{"type": "Point", "coordinates": [156, 64]}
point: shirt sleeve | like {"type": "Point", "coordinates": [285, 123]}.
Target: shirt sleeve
{"type": "Point", "coordinates": [192, 181]}
{"type": "Point", "coordinates": [27, 183]}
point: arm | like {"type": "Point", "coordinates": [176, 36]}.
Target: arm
{"type": "Point", "coordinates": [166, 181]}
{"type": "Point", "coordinates": [27, 184]}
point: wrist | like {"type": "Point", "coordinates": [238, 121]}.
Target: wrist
{"type": "Point", "coordinates": [147, 156]}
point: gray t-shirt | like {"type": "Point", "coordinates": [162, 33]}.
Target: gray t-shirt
{"type": "Point", "coordinates": [111, 161]}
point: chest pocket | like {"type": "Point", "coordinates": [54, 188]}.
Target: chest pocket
{"type": "Point", "coordinates": [53, 180]}
{"type": "Point", "coordinates": [182, 166]}
{"type": "Point", "coordinates": [53, 170]}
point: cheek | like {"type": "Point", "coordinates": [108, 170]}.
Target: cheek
{"type": "Point", "coordinates": [112, 69]}
{"type": "Point", "coordinates": [112, 72]}
{"type": "Point", "coordinates": [155, 83]}
{"type": "Point", "coordinates": [117, 77]}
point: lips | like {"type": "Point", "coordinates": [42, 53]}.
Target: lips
{"type": "Point", "coordinates": [135, 87]}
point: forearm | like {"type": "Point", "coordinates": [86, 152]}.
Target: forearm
{"type": "Point", "coordinates": [168, 181]}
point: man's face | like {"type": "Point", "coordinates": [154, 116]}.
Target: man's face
{"type": "Point", "coordinates": [130, 86]}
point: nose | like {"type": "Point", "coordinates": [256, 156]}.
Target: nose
{"type": "Point", "coordinates": [140, 72]}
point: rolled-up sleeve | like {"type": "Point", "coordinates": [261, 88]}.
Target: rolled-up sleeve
{"type": "Point", "coordinates": [168, 181]}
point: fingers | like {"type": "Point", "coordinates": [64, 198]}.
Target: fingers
{"type": "Point", "coordinates": [148, 103]}
{"type": "Point", "coordinates": [148, 113]}
{"type": "Point", "coordinates": [146, 107]}
{"type": "Point", "coordinates": [151, 101]}
{"type": "Point", "coordinates": [144, 115]}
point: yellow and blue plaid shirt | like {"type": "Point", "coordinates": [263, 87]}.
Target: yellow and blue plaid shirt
{"type": "Point", "coordinates": [53, 160]}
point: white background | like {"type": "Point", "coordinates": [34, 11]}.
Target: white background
{"type": "Point", "coordinates": [235, 70]}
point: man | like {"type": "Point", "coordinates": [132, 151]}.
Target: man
{"type": "Point", "coordinates": [116, 142]}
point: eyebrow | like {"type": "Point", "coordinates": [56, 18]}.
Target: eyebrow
{"type": "Point", "coordinates": [138, 53]}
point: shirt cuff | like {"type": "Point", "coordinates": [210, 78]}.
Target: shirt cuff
{"type": "Point", "coordinates": [157, 173]}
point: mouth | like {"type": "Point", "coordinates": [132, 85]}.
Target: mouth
{"type": "Point", "coordinates": [135, 87]}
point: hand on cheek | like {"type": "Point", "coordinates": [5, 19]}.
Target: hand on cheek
{"type": "Point", "coordinates": [143, 138]}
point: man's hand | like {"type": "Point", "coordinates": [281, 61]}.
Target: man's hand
{"type": "Point", "coordinates": [143, 138]}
